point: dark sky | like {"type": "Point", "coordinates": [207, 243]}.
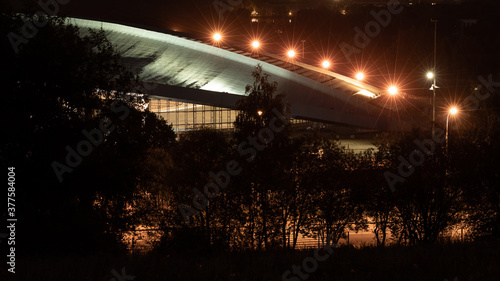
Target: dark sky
{"type": "Point", "coordinates": [395, 50]}
{"type": "Point", "coordinates": [163, 13]}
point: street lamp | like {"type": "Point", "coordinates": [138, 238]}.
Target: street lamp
{"type": "Point", "coordinates": [255, 44]}
{"type": "Point", "coordinates": [453, 111]}
{"type": "Point", "coordinates": [217, 37]}
{"type": "Point", "coordinates": [360, 76]}
{"type": "Point", "coordinates": [291, 53]}
{"type": "Point", "coordinates": [326, 64]}
{"type": "Point", "coordinates": [431, 75]}
{"type": "Point", "coordinates": [433, 88]}
{"type": "Point", "coordinates": [393, 90]}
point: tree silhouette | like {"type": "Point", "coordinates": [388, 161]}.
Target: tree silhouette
{"type": "Point", "coordinates": [266, 155]}
{"type": "Point", "coordinates": [61, 89]}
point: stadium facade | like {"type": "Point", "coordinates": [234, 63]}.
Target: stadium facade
{"type": "Point", "coordinates": [192, 82]}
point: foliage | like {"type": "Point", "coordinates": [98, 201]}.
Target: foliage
{"type": "Point", "coordinates": [62, 84]}
{"type": "Point", "coordinates": [264, 176]}
{"type": "Point", "coordinates": [58, 86]}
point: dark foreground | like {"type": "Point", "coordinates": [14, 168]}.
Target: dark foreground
{"type": "Point", "coordinates": [474, 261]}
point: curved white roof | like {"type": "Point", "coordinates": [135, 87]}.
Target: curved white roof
{"type": "Point", "coordinates": [187, 69]}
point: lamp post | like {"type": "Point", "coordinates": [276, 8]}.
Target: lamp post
{"type": "Point", "coordinates": [434, 81]}
{"type": "Point", "coordinates": [217, 37]}
{"type": "Point", "coordinates": [360, 76]}
{"type": "Point", "coordinates": [393, 90]}
{"type": "Point", "coordinates": [255, 44]}
{"type": "Point", "coordinates": [432, 76]}
{"type": "Point", "coordinates": [453, 111]}
{"type": "Point", "coordinates": [326, 64]}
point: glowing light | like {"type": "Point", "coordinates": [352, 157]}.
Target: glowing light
{"type": "Point", "coordinates": [326, 64]}
{"type": "Point", "coordinates": [291, 53]}
{"type": "Point", "coordinates": [393, 90]}
{"type": "Point", "coordinates": [217, 37]}
{"type": "Point", "coordinates": [360, 76]}
{"type": "Point", "coordinates": [259, 112]}
{"type": "Point", "coordinates": [366, 93]}
{"type": "Point", "coordinates": [430, 75]}
{"type": "Point", "coordinates": [255, 44]}
{"type": "Point", "coordinates": [453, 110]}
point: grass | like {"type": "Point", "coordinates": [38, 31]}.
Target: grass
{"type": "Point", "coordinates": [472, 261]}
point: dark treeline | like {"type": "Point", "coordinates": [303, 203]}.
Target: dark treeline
{"type": "Point", "coordinates": [92, 163]}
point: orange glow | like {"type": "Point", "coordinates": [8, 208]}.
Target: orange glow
{"type": "Point", "coordinates": [453, 110]}
{"type": "Point", "coordinates": [393, 90]}
{"type": "Point", "coordinates": [326, 64]}
{"type": "Point", "coordinates": [255, 44]}
{"type": "Point", "coordinates": [360, 76]}
{"type": "Point", "coordinates": [291, 53]}
{"type": "Point", "coordinates": [217, 37]}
